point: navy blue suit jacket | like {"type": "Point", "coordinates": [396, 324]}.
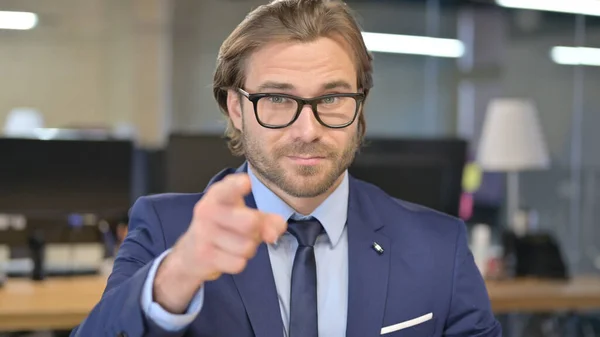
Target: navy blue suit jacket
{"type": "Point", "coordinates": [426, 267]}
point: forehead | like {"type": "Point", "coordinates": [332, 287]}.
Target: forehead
{"type": "Point", "coordinates": [307, 66]}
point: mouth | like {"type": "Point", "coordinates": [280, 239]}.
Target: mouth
{"type": "Point", "coordinates": [306, 160]}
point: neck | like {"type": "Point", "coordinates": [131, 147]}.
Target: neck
{"type": "Point", "coordinates": [304, 206]}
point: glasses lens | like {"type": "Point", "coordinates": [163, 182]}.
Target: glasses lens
{"type": "Point", "coordinates": [276, 110]}
{"type": "Point", "coordinates": [336, 111]}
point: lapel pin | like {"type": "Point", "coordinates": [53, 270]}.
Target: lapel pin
{"type": "Point", "coordinates": [377, 248]}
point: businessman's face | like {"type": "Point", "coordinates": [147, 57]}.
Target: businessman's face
{"type": "Point", "coordinates": [305, 159]}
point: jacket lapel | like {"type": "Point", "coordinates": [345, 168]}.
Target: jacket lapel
{"type": "Point", "coordinates": [368, 270]}
{"type": "Point", "coordinates": [256, 286]}
{"type": "Point", "coordinates": [257, 289]}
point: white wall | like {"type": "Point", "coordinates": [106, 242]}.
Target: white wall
{"type": "Point", "coordinates": [60, 67]}
{"type": "Point", "coordinates": [90, 63]}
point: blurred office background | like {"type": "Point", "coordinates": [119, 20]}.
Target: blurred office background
{"type": "Point", "coordinates": [102, 101]}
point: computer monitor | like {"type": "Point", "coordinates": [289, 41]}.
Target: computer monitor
{"type": "Point", "coordinates": [422, 171]}
{"type": "Point", "coordinates": [46, 179]}
{"type": "Point", "coordinates": [191, 160]}
{"type": "Point", "coordinates": [63, 189]}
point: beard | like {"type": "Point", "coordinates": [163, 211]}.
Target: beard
{"type": "Point", "coordinates": [300, 181]}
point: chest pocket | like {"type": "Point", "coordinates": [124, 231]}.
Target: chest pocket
{"type": "Point", "coordinates": [422, 326]}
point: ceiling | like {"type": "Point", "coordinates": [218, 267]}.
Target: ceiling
{"type": "Point", "coordinates": [521, 23]}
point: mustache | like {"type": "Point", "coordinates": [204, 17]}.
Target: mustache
{"type": "Point", "coordinates": [306, 150]}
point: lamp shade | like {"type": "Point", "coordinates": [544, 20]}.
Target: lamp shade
{"type": "Point", "coordinates": [512, 139]}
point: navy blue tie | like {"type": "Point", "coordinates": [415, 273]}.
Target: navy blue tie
{"type": "Point", "coordinates": [303, 300]}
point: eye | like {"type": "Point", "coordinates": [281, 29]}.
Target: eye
{"type": "Point", "coordinates": [329, 100]}
{"type": "Point", "coordinates": [277, 99]}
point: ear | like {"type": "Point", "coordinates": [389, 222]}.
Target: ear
{"type": "Point", "coordinates": [235, 109]}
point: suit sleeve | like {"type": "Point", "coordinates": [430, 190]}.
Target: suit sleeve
{"type": "Point", "coordinates": [470, 312]}
{"type": "Point", "coordinates": [119, 311]}
{"type": "Point", "coordinates": [158, 314]}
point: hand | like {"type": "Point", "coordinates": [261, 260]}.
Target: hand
{"type": "Point", "coordinates": [223, 235]}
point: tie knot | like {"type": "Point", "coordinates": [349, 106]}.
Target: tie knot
{"type": "Point", "coordinates": [305, 231]}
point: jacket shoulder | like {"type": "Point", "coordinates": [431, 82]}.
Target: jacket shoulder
{"type": "Point", "coordinates": [167, 200]}
{"type": "Point", "coordinates": [168, 213]}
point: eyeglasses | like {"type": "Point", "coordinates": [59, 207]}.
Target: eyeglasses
{"type": "Point", "coordinates": [276, 111]}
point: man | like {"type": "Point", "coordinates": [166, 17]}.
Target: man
{"type": "Point", "coordinates": [289, 244]}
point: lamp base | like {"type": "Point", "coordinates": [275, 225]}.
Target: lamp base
{"type": "Point", "coordinates": [512, 208]}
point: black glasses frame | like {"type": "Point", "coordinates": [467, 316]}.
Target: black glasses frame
{"type": "Point", "coordinates": [254, 98]}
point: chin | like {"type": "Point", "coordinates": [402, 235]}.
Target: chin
{"type": "Point", "coordinates": [307, 186]}
{"type": "Point", "coordinates": [298, 180]}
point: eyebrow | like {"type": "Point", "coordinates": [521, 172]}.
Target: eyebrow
{"type": "Point", "coordinates": [275, 85]}
{"type": "Point", "coordinates": [336, 85]}
{"type": "Point", "coordinates": [287, 86]}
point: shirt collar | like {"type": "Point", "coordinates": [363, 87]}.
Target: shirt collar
{"type": "Point", "coordinates": [332, 213]}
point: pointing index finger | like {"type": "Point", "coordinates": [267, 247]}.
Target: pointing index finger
{"type": "Point", "coordinates": [232, 189]}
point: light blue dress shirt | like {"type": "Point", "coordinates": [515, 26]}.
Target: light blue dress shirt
{"type": "Point", "coordinates": [331, 254]}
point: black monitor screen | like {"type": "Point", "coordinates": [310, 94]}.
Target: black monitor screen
{"type": "Point", "coordinates": [55, 177]}
{"type": "Point", "coordinates": [424, 172]}
{"type": "Point", "coordinates": [192, 160]}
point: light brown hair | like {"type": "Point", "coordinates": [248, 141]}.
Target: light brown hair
{"type": "Point", "coordinates": [287, 20]}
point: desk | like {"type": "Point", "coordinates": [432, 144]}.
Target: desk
{"type": "Point", "coordinates": [62, 303]}
{"type": "Point", "coordinates": [541, 296]}
{"type": "Point", "coordinates": [56, 303]}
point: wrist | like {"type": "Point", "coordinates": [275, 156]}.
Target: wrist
{"type": "Point", "coordinates": [174, 286]}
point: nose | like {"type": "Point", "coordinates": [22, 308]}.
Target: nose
{"type": "Point", "coordinates": [307, 128]}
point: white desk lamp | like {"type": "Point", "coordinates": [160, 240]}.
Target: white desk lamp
{"type": "Point", "coordinates": [512, 141]}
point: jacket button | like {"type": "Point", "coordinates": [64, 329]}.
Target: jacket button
{"type": "Point", "coordinates": [122, 334]}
